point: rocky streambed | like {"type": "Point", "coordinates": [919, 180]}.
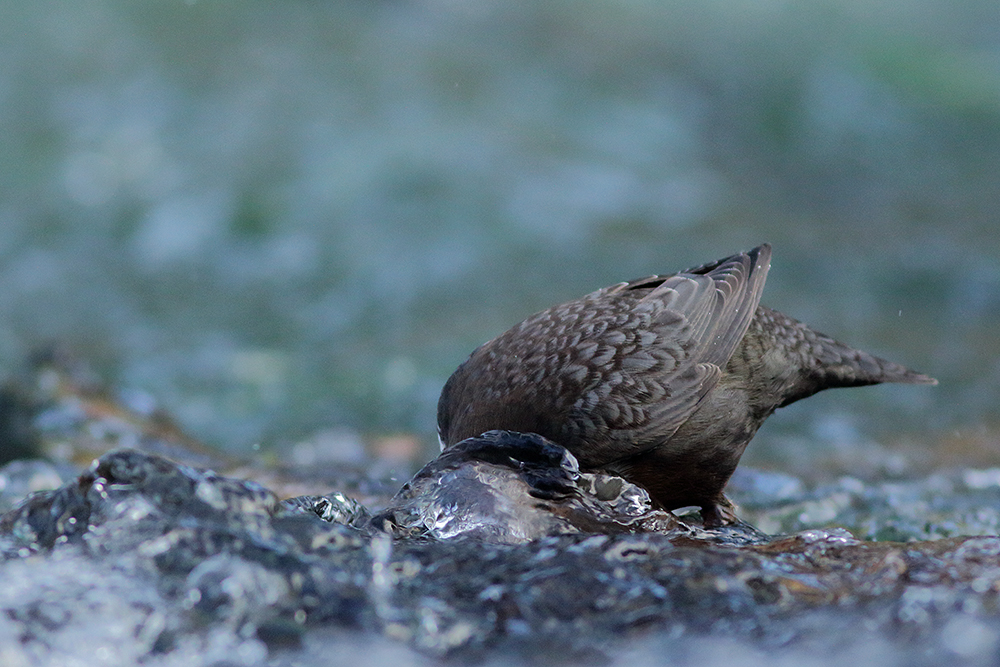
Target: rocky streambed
{"type": "Point", "coordinates": [161, 553]}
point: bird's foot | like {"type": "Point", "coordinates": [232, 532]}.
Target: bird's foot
{"type": "Point", "coordinates": [720, 513]}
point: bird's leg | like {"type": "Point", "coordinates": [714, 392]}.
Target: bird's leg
{"type": "Point", "coordinates": [720, 513]}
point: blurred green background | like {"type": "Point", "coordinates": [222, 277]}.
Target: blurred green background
{"type": "Point", "coordinates": [282, 217]}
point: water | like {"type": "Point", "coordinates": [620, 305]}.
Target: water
{"type": "Point", "coordinates": [277, 219]}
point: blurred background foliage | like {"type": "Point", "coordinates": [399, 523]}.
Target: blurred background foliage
{"type": "Point", "coordinates": [282, 217]}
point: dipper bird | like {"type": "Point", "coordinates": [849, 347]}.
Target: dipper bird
{"type": "Point", "coordinates": [662, 381]}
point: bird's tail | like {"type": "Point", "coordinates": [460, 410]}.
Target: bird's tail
{"type": "Point", "coordinates": [827, 363]}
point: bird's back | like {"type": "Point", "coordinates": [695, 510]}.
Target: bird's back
{"type": "Point", "coordinates": [614, 372]}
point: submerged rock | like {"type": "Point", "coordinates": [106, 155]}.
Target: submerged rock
{"type": "Point", "coordinates": [511, 488]}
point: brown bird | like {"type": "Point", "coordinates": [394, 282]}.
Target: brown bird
{"type": "Point", "coordinates": [662, 380]}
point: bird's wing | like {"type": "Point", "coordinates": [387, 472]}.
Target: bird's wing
{"type": "Point", "coordinates": [670, 338]}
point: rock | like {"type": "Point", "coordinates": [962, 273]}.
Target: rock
{"type": "Point", "coordinates": [185, 557]}
{"type": "Point", "coordinates": [511, 488]}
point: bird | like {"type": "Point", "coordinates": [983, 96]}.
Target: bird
{"type": "Point", "coordinates": [662, 381]}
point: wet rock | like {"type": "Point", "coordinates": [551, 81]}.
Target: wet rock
{"type": "Point", "coordinates": [334, 508]}
{"type": "Point", "coordinates": [511, 488]}
{"type": "Point", "coordinates": [186, 557]}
